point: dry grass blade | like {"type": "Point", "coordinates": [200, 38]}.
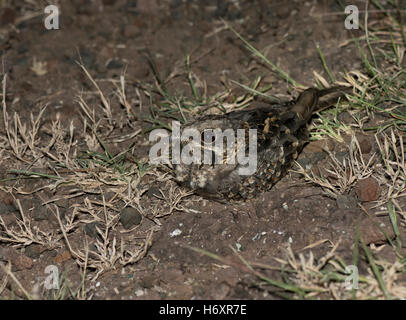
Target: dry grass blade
{"type": "Point", "coordinates": [105, 103]}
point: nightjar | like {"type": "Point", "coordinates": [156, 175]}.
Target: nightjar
{"type": "Point", "coordinates": [262, 144]}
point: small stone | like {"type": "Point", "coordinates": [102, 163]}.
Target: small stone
{"type": "Point", "coordinates": [345, 117]}
{"type": "Point", "coordinates": [148, 282]}
{"type": "Point", "coordinates": [131, 4]}
{"type": "Point", "coordinates": [26, 86]}
{"type": "Point", "coordinates": [341, 155]}
{"type": "Point", "coordinates": [64, 256]}
{"type": "Point", "coordinates": [132, 31]}
{"type": "Point", "coordinates": [139, 292]}
{"type": "Point", "coordinates": [283, 12]}
{"type": "Point", "coordinates": [90, 229]}
{"type": "Point", "coordinates": [318, 156]}
{"type": "Point", "coordinates": [175, 233]}
{"type": "Point", "coordinates": [41, 213]}
{"type": "Point", "coordinates": [147, 6]}
{"type": "Point", "coordinates": [33, 251]}
{"type": "Point", "coordinates": [376, 230]}
{"type": "Point", "coordinates": [6, 198]}
{"type": "Point", "coordinates": [346, 202]}
{"type": "Point", "coordinates": [7, 204]}
{"type": "Point", "coordinates": [22, 262]}
{"type": "Point", "coordinates": [18, 260]}
{"type": "Point", "coordinates": [114, 64]}
{"type": "Point", "coordinates": [87, 57]}
{"type": "Point", "coordinates": [22, 48]}
{"type": "Point", "coordinates": [7, 16]}
{"type": "Point", "coordinates": [130, 217]}
{"type": "Point", "coordinates": [106, 52]}
{"type": "Point", "coordinates": [365, 146]}
{"type": "Point", "coordinates": [304, 163]}
{"type": "Point", "coordinates": [153, 191]}
{"type": "Point", "coordinates": [315, 146]}
{"type": "Point", "coordinates": [368, 189]}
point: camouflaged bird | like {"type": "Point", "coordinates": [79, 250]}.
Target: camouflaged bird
{"type": "Point", "coordinates": [281, 133]}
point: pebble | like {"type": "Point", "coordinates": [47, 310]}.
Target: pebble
{"type": "Point", "coordinates": [64, 256]}
{"type": "Point", "coordinates": [365, 146]}
{"type": "Point", "coordinates": [139, 292]}
{"type": "Point", "coordinates": [7, 204]}
{"type": "Point", "coordinates": [130, 217]}
{"type": "Point", "coordinates": [40, 213]}
{"type": "Point", "coordinates": [114, 64]}
{"type": "Point", "coordinates": [341, 155]}
{"type": "Point", "coordinates": [33, 251]}
{"type": "Point", "coordinates": [153, 191]}
{"type": "Point", "coordinates": [7, 16]}
{"type": "Point", "coordinates": [371, 233]}
{"type": "Point", "coordinates": [304, 163]}
{"type": "Point", "coordinates": [175, 233]}
{"type": "Point", "coordinates": [90, 229]}
{"type": "Point", "coordinates": [18, 261]}
{"type": "Point", "coordinates": [368, 189]}
{"type": "Point", "coordinates": [346, 202]}
{"type": "Point", "coordinates": [318, 156]}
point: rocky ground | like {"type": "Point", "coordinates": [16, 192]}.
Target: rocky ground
{"type": "Point", "coordinates": [77, 191]}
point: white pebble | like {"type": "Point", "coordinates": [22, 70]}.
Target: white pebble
{"type": "Point", "coordinates": [139, 292]}
{"type": "Point", "coordinates": [175, 233]}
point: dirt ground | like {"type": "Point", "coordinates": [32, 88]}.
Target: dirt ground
{"type": "Point", "coordinates": [150, 255]}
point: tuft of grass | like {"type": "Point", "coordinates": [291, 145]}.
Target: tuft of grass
{"type": "Point", "coordinates": [342, 175]}
{"type": "Point", "coordinates": [101, 183]}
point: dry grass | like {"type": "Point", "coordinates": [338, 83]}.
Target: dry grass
{"type": "Point", "coordinates": [62, 170]}
{"type": "Point", "coordinates": [75, 163]}
{"type": "Point", "coordinates": [342, 175]}
{"type": "Point", "coordinates": [325, 277]}
{"type": "Point", "coordinates": [379, 90]}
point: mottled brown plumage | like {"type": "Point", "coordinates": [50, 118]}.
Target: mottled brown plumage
{"type": "Point", "coordinates": [281, 134]}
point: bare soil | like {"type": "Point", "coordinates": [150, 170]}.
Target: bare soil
{"type": "Point", "coordinates": [113, 38]}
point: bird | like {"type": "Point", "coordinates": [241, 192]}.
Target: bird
{"type": "Point", "coordinates": [279, 133]}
